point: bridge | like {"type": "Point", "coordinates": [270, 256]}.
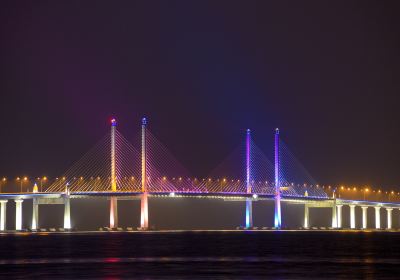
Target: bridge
{"type": "Point", "coordinates": [115, 170]}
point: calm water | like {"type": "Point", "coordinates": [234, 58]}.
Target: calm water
{"type": "Point", "coordinates": [207, 255]}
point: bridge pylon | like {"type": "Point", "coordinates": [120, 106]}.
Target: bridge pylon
{"type": "Point", "coordinates": [277, 198]}
{"type": "Point", "coordinates": [113, 199]}
{"type": "Point", "coordinates": [144, 209]}
{"type": "Point", "coordinates": [249, 206]}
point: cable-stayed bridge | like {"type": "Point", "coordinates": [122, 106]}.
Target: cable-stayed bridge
{"type": "Point", "coordinates": [117, 169]}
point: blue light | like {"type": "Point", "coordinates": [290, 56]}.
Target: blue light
{"type": "Point", "coordinates": [248, 213]}
{"type": "Point", "coordinates": [113, 122]}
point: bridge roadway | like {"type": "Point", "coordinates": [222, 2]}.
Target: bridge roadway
{"type": "Point", "coordinates": [335, 204]}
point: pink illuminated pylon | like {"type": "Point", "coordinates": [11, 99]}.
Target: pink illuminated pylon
{"type": "Point", "coordinates": [144, 210]}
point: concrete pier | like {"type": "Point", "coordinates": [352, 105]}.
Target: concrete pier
{"type": "Point", "coordinates": [339, 216]}
{"type": "Point", "coordinates": [352, 216]}
{"type": "Point", "coordinates": [334, 216]}
{"type": "Point", "coordinates": [35, 214]}
{"type": "Point", "coordinates": [18, 214]}
{"type": "Point", "coordinates": [364, 217]}
{"type": "Point", "coordinates": [67, 212]}
{"type": "Point", "coordinates": [389, 218]}
{"type": "Point", "coordinates": [377, 217]}
{"type": "Point", "coordinates": [306, 216]}
{"type": "Point", "coordinates": [3, 212]}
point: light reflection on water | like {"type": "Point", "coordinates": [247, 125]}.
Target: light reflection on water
{"type": "Point", "coordinates": [206, 255]}
{"type": "Point", "coordinates": [197, 259]}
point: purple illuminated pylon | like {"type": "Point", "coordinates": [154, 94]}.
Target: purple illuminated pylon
{"type": "Point", "coordinates": [277, 220]}
{"type": "Point", "coordinates": [249, 206]}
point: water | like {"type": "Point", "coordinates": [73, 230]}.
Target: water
{"type": "Point", "coordinates": [204, 255]}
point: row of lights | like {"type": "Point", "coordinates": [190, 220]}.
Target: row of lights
{"type": "Point", "coordinates": [342, 188]}
{"type": "Point", "coordinates": [4, 179]}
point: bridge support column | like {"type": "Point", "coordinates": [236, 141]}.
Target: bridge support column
{"type": "Point", "coordinates": [334, 216]}
{"type": "Point", "coordinates": [18, 214]}
{"type": "Point", "coordinates": [3, 209]}
{"type": "Point", "coordinates": [306, 216]}
{"type": "Point", "coordinates": [352, 216]}
{"type": "Point", "coordinates": [67, 212]}
{"type": "Point", "coordinates": [377, 217]}
{"type": "Point", "coordinates": [249, 213]}
{"type": "Point", "coordinates": [389, 218]}
{"type": "Point", "coordinates": [364, 216]}
{"type": "Point", "coordinates": [35, 214]}
{"type": "Point", "coordinates": [144, 211]}
{"type": "Point", "coordinates": [339, 216]}
{"type": "Point", "coordinates": [113, 212]}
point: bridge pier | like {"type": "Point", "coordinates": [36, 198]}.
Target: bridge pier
{"type": "Point", "coordinates": [377, 217]}
{"type": "Point", "coordinates": [334, 216]}
{"type": "Point", "coordinates": [67, 212]}
{"type": "Point", "coordinates": [35, 214]}
{"type": "Point", "coordinates": [113, 212]}
{"type": "Point", "coordinates": [3, 208]}
{"type": "Point", "coordinates": [144, 212]}
{"type": "Point", "coordinates": [352, 216]}
{"type": "Point", "coordinates": [389, 218]}
{"type": "Point", "coordinates": [306, 216]}
{"type": "Point", "coordinates": [249, 213]}
{"type": "Point", "coordinates": [364, 216]}
{"type": "Point", "coordinates": [18, 214]}
{"type": "Point", "coordinates": [339, 216]}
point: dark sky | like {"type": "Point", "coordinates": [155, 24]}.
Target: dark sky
{"type": "Point", "coordinates": [326, 73]}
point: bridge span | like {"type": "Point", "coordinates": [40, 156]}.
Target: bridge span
{"type": "Point", "coordinates": [150, 184]}
{"type": "Point", "coordinates": [335, 204]}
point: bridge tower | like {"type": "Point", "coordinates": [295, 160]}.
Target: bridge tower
{"type": "Point", "coordinates": [144, 211]}
{"type": "Point", "coordinates": [277, 220]}
{"type": "Point", "coordinates": [249, 206]}
{"type": "Point", "coordinates": [113, 199]}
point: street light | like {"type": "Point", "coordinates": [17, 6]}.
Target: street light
{"type": "Point", "coordinates": [365, 191]}
{"type": "Point", "coordinates": [22, 180]}
{"type": "Point", "coordinates": [44, 179]}
{"type": "Point", "coordinates": [3, 181]}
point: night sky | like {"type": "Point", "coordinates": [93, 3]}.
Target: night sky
{"type": "Point", "coordinates": [326, 74]}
